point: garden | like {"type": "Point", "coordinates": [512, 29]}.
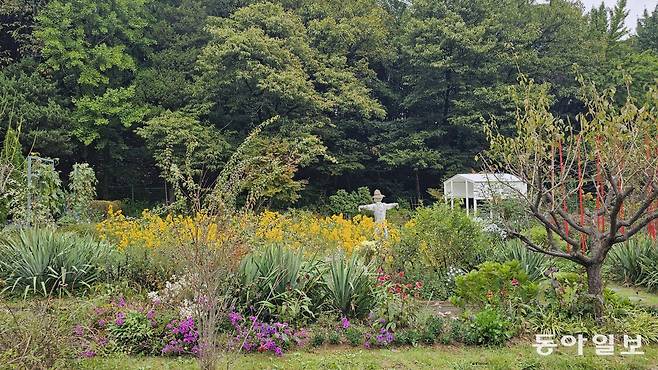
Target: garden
{"type": "Point", "coordinates": [206, 184]}
{"type": "Point", "coordinates": [217, 279]}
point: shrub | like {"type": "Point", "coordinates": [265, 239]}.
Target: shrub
{"type": "Point", "coordinates": [411, 337]}
{"type": "Point", "coordinates": [354, 336]}
{"type": "Point", "coordinates": [146, 268]}
{"type": "Point", "coordinates": [432, 330]}
{"type": "Point", "coordinates": [500, 285]}
{"type": "Point", "coordinates": [82, 186]}
{"type": "Point", "coordinates": [489, 327]}
{"type": "Point", "coordinates": [533, 263]}
{"type": "Point", "coordinates": [134, 328]}
{"type": "Point", "coordinates": [456, 332]}
{"type": "Point", "coordinates": [349, 286]}
{"type": "Point", "coordinates": [380, 338]}
{"type": "Point", "coordinates": [318, 338]}
{"type": "Point", "coordinates": [43, 261]}
{"type": "Point", "coordinates": [334, 337]}
{"type": "Point", "coordinates": [315, 233]}
{"type": "Point", "coordinates": [627, 263]}
{"type": "Point", "coordinates": [133, 332]}
{"type": "Point", "coordinates": [346, 203]}
{"type": "Point", "coordinates": [438, 238]}
{"type": "Point", "coordinates": [395, 303]}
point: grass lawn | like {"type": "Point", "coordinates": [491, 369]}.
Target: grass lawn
{"type": "Point", "coordinates": [516, 356]}
{"type": "Point", "coordinates": [636, 295]}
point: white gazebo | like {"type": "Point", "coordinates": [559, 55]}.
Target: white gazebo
{"type": "Point", "coordinates": [482, 186]}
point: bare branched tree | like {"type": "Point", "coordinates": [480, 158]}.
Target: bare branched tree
{"type": "Point", "coordinates": [592, 183]}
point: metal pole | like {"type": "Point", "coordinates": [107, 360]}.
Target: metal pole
{"type": "Point", "coordinates": [466, 197]}
{"type": "Point", "coordinates": [29, 189]}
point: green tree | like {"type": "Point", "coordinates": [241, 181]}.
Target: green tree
{"type": "Point", "coordinates": [647, 31]}
{"type": "Point", "coordinates": [608, 141]}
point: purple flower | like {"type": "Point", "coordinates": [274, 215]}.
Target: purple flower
{"type": "Point", "coordinates": [121, 319]}
{"type": "Point", "coordinates": [102, 323]}
{"type": "Point", "coordinates": [150, 314]}
{"type": "Point", "coordinates": [121, 302]}
{"type": "Point", "coordinates": [234, 317]}
{"type": "Point", "coordinates": [87, 354]}
{"type": "Point", "coordinates": [278, 351]}
{"type": "Point", "coordinates": [78, 330]}
{"type": "Point", "coordinates": [345, 323]}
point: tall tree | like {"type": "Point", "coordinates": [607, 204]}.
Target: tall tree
{"type": "Point", "coordinates": [647, 31]}
{"type": "Point", "coordinates": [93, 48]}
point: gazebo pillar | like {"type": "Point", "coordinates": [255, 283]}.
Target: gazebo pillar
{"type": "Point", "coordinates": [466, 197]}
{"type": "Point", "coordinates": [452, 195]}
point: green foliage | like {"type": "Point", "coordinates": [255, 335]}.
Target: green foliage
{"type": "Point", "coordinates": [349, 285]}
{"type": "Point", "coordinates": [346, 203]}
{"type": "Point", "coordinates": [87, 39]}
{"type": "Point", "coordinates": [489, 327]}
{"type": "Point", "coordinates": [136, 335]}
{"type": "Point", "coordinates": [45, 262]}
{"type": "Point", "coordinates": [144, 268]}
{"type": "Point", "coordinates": [46, 194]}
{"type": "Point", "coordinates": [281, 281]}
{"type": "Point", "coordinates": [318, 339]}
{"type": "Point", "coordinates": [433, 329]}
{"type": "Point", "coordinates": [647, 30]}
{"type": "Point", "coordinates": [37, 335]}
{"type": "Point", "coordinates": [11, 163]}
{"type": "Point", "coordinates": [505, 286]}
{"type": "Point", "coordinates": [439, 238]}
{"type": "Point", "coordinates": [82, 186]}
{"type": "Point", "coordinates": [175, 137]}
{"type": "Point", "coordinates": [334, 337]}
{"type": "Point", "coordinates": [114, 108]}
{"type": "Point", "coordinates": [354, 336]}
{"type": "Point", "coordinates": [534, 264]}
{"type": "Point", "coordinates": [631, 261]}
{"type": "Point", "coordinates": [410, 337]}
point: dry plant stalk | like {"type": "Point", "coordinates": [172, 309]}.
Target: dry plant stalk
{"type": "Point", "coordinates": [221, 234]}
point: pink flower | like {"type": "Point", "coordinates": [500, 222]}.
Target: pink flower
{"type": "Point", "coordinates": [419, 285]}
{"type": "Point", "coordinates": [345, 323]}
{"type": "Point", "coordinates": [515, 282]}
{"type": "Point", "coordinates": [121, 319]}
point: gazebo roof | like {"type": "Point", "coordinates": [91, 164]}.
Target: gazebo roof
{"type": "Point", "coordinates": [485, 177]}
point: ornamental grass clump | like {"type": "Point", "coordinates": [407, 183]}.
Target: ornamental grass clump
{"type": "Point", "coordinates": [349, 283]}
{"type": "Point", "coordinates": [42, 261]}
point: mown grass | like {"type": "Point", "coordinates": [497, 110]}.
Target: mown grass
{"type": "Point", "coordinates": [636, 295]}
{"type": "Point", "coordinates": [517, 356]}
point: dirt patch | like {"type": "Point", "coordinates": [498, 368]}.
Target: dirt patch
{"type": "Point", "coordinates": [443, 308]}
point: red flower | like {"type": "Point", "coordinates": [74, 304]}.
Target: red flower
{"type": "Point", "coordinates": [401, 274]}
{"type": "Point", "coordinates": [515, 282]}
{"type": "Point", "coordinates": [419, 285]}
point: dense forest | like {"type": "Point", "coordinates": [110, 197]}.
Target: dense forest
{"type": "Point", "coordinates": [385, 93]}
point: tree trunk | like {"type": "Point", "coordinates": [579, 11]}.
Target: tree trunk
{"type": "Point", "coordinates": [595, 290]}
